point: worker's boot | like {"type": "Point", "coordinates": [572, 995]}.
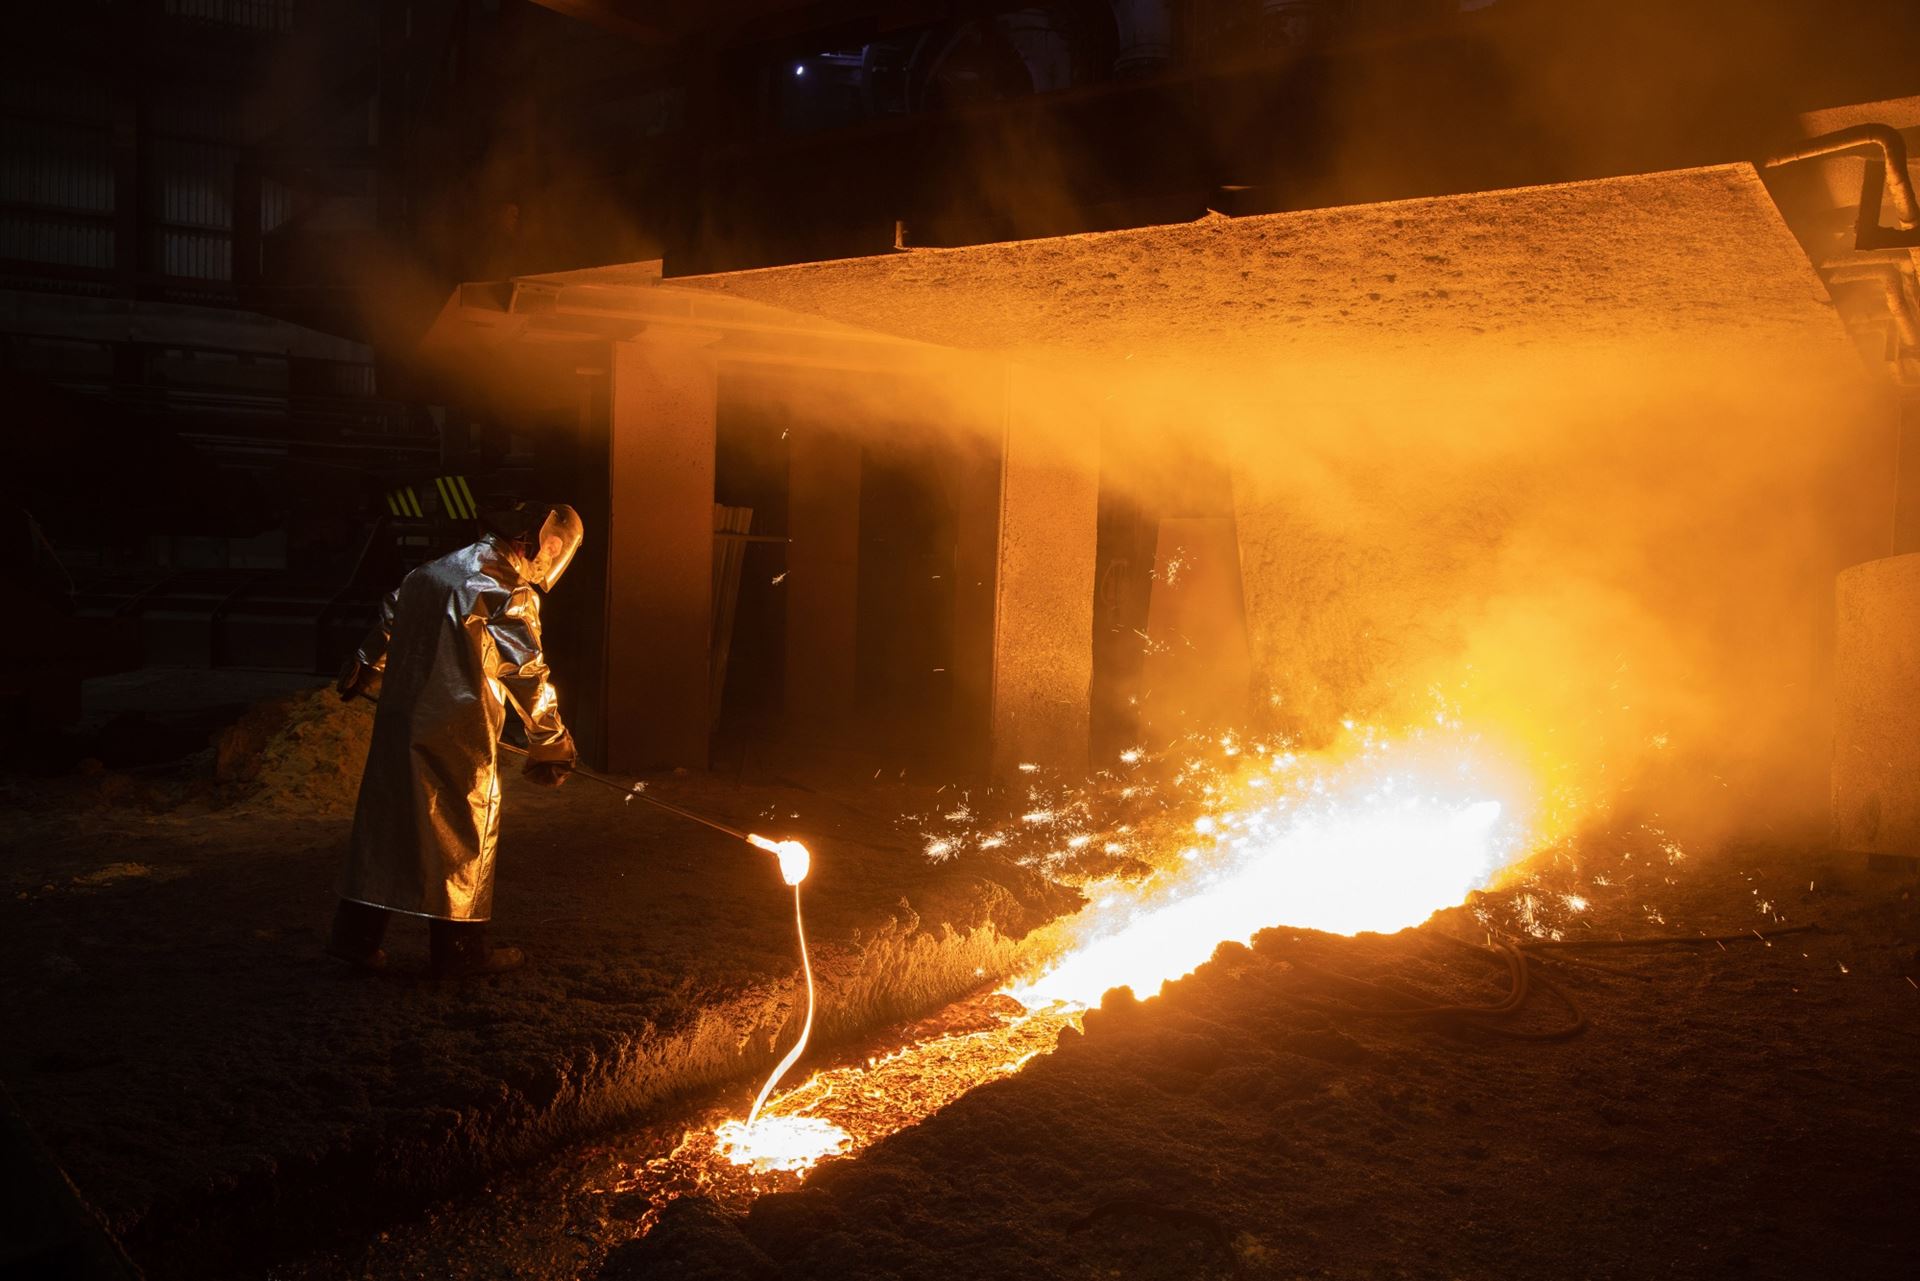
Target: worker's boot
{"type": "Point", "coordinates": [460, 949]}
{"type": "Point", "coordinates": [358, 929]}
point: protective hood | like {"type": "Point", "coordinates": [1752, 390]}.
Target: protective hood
{"type": "Point", "coordinates": [456, 645]}
{"type": "Point", "coordinates": [544, 537]}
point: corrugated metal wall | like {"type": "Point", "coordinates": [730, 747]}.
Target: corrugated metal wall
{"type": "Point", "coordinates": [59, 194]}
{"type": "Point", "coordinates": [193, 205]}
{"type": "Point", "coordinates": [56, 171]}
{"type": "Point", "coordinates": [255, 15]}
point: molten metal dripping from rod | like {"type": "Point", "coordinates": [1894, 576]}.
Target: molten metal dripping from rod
{"type": "Point", "coordinates": [806, 1028]}
{"type": "Point", "coordinates": [783, 1142]}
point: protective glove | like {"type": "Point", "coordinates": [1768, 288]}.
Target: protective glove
{"type": "Point", "coordinates": [355, 676]}
{"type": "Point", "coordinates": [548, 773]}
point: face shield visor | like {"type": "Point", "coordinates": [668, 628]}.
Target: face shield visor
{"type": "Point", "coordinates": [560, 537]}
{"type": "Point", "coordinates": [541, 538]}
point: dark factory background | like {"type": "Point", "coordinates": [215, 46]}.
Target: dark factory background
{"type": "Point", "coordinates": [224, 224]}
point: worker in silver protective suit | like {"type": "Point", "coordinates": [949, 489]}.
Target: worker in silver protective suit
{"type": "Point", "coordinates": [457, 641]}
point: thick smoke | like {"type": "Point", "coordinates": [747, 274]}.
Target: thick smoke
{"type": "Point", "coordinates": [1613, 565]}
{"type": "Point", "coordinates": [1618, 575]}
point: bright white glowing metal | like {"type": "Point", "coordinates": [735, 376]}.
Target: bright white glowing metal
{"type": "Point", "coordinates": [795, 862]}
{"type": "Point", "coordinates": [783, 1143]}
{"type": "Point", "coordinates": [1361, 849]}
{"type": "Point", "coordinates": [780, 1142]}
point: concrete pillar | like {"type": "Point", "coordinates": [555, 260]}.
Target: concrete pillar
{"type": "Point", "coordinates": [1876, 731]}
{"type": "Point", "coordinates": [1043, 603]}
{"type": "Point", "coordinates": [823, 579]}
{"type": "Point", "coordinates": [1197, 674]}
{"type": "Point", "coordinates": [976, 559]}
{"type": "Point", "coordinates": [660, 461]}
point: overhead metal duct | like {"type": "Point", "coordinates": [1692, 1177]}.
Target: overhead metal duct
{"type": "Point", "coordinates": [1885, 175]}
{"type": "Point", "coordinates": [1145, 28]}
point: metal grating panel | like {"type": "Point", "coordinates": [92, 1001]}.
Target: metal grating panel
{"type": "Point", "coordinates": [254, 15]}
{"type": "Point", "coordinates": [59, 166]}
{"type": "Point", "coordinates": [51, 238]}
{"type": "Point", "coordinates": [276, 204]}
{"type": "Point", "coordinates": [75, 95]}
{"type": "Point", "coordinates": [198, 254]}
{"type": "Point", "coordinates": [194, 183]}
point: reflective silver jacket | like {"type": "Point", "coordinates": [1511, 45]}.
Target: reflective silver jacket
{"type": "Point", "coordinates": [456, 642]}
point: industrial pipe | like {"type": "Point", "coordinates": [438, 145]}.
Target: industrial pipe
{"type": "Point", "coordinates": [1145, 31]}
{"type": "Point", "coordinates": [1893, 168]}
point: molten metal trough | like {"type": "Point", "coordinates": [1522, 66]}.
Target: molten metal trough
{"type": "Point", "coordinates": [1373, 839]}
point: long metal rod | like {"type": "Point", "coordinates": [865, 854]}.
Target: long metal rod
{"type": "Point", "coordinates": [634, 792]}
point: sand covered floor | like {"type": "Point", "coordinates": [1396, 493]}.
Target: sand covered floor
{"type": "Point", "coordinates": [236, 1104]}
{"type": "Point", "coordinates": [226, 1095]}
{"type": "Point", "coordinates": [1739, 1111]}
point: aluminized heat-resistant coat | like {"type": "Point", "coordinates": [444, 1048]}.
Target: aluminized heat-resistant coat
{"type": "Point", "coordinates": [456, 642]}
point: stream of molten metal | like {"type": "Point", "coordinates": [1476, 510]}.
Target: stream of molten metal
{"type": "Point", "coordinates": [786, 1142]}
{"type": "Point", "coordinates": [1376, 869]}
{"type": "Point", "coordinates": [1377, 841]}
{"type": "Point", "coordinates": [783, 1142]}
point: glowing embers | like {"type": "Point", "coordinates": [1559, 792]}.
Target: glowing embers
{"type": "Point", "coordinates": [840, 1111]}
{"type": "Point", "coordinates": [795, 861]}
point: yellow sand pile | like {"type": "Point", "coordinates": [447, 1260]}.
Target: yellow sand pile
{"type": "Point", "coordinates": [312, 760]}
